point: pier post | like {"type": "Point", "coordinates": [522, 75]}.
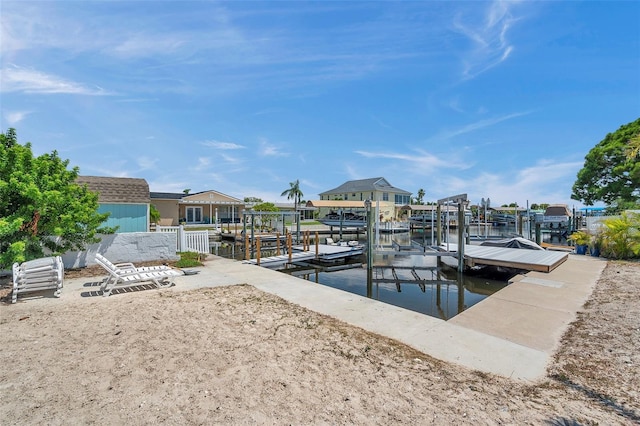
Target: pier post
{"type": "Point", "coordinates": [317, 246]}
{"type": "Point", "coordinates": [438, 225]}
{"type": "Point", "coordinates": [461, 239]}
{"type": "Point", "coordinates": [258, 251]}
{"type": "Point", "coordinates": [367, 205]}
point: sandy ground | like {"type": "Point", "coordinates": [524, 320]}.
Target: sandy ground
{"type": "Point", "coordinates": [236, 355]}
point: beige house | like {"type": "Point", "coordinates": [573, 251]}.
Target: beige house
{"type": "Point", "coordinates": [200, 208]}
{"type": "Point", "coordinates": [385, 198]}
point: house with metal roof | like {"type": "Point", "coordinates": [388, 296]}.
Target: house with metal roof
{"type": "Point", "coordinates": [385, 197]}
{"type": "Point", "coordinates": [199, 208]}
{"type": "Point", "coordinates": [125, 199]}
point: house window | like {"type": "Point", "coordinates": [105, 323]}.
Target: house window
{"type": "Point", "coordinates": [194, 214]}
{"type": "Point", "coordinates": [401, 199]}
{"type": "Point", "coordinates": [385, 196]}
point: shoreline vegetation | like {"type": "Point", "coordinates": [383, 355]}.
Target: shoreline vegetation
{"type": "Point", "coordinates": [236, 355]}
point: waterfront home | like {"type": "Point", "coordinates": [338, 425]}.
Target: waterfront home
{"type": "Point", "coordinates": [199, 208]}
{"type": "Point", "coordinates": [386, 198]}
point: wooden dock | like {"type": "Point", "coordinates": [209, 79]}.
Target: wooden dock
{"type": "Point", "coordinates": [326, 253]}
{"type": "Point", "coordinates": [531, 260]}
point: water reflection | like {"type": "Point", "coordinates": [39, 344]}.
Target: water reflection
{"type": "Point", "coordinates": [413, 282]}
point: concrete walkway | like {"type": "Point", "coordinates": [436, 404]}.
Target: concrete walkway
{"type": "Point", "coordinates": [512, 333]}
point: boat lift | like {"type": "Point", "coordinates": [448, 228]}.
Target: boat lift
{"type": "Point", "coordinates": [461, 202]}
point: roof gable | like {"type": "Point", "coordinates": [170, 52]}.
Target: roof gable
{"type": "Point", "coordinates": [211, 195]}
{"type": "Point", "coordinates": [365, 185]}
{"type": "Point", "coordinates": [117, 189]}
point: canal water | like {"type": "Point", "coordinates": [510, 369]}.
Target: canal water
{"type": "Point", "coordinates": [414, 282]}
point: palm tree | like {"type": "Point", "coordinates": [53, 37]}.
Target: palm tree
{"type": "Point", "coordinates": [293, 192]}
{"type": "Point", "coordinates": [420, 196]}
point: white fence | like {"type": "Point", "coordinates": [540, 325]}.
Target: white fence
{"type": "Point", "coordinates": [197, 241]}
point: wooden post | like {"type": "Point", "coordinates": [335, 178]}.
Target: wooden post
{"type": "Point", "coordinates": [289, 246]}
{"type": "Point", "coordinates": [277, 244]}
{"type": "Point", "coordinates": [246, 247]}
{"type": "Point", "coordinates": [317, 246]}
{"type": "Point", "coordinates": [258, 251]}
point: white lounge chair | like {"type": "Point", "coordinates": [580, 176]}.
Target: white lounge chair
{"type": "Point", "coordinates": [37, 275]}
{"type": "Point", "coordinates": [123, 275]}
{"type": "Point", "coordinates": [126, 267]}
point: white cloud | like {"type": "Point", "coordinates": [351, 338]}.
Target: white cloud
{"type": "Point", "coordinates": [145, 46]}
{"type": "Point", "coordinates": [268, 149]}
{"type": "Point", "coordinates": [15, 116]}
{"type": "Point", "coordinates": [545, 182]}
{"type": "Point", "coordinates": [491, 46]}
{"type": "Point", "coordinates": [222, 145]}
{"type": "Point", "coordinates": [230, 159]}
{"type": "Point", "coordinates": [477, 125]}
{"type": "Point", "coordinates": [146, 163]}
{"type": "Point", "coordinates": [19, 79]}
{"type": "Point", "coordinates": [203, 163]}
{"type": "Point", "coordinates": [421, 161]}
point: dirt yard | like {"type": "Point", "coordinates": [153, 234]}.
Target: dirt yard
{"type": "Point", "coordinates": [236, 355]}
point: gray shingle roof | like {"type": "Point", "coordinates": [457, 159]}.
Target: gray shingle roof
{"type": "Point", "coordinates": [116, 189]}
{"type": "Point", "coordinates": [166, 195]}
{"type": "Point", "coordinates": [364, 185]}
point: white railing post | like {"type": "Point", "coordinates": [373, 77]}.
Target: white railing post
{"type": "Point", "coordinates": [182, 239]}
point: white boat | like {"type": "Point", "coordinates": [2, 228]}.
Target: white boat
{"type": "Point", "coordinates": [557, 216]}
{"type": "Point", "coordinates": [347, 220]}
{"type": "Point", "coordinates": [421, 219]}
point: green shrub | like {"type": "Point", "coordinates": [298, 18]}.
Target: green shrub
{"type": "Point", "coordinates": [189, 259]}
{"type": "Point", "coordinates": [580, 238]}
{"type": "Point", "coordinates": [621, 237]}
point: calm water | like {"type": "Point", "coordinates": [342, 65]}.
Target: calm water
{"type": "Point", "coordinates": [435, 291]}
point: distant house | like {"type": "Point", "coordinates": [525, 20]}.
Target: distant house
{"type": "Point", "coordinates": [126, 199]}
{"type": "Point", "coordinates": [304, 211]}
{"type": "Point", "coordinates": [198, 208]}
{"type": "Point", "coordinates": [384, 196]}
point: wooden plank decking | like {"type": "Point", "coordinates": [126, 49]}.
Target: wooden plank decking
{"type": "Point", "coordinates": [326, 253]}
{"type": "Point", "coordinates": [531, 260]}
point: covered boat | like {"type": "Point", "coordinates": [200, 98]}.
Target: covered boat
{"type": "Point", "coordinates": [515, 242]}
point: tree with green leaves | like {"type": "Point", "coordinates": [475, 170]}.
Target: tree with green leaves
{"type": "Point", "coordinates": [294, 193]}
{"type": "Point", "coordinates": [611, 173]}
{"type": "Point", "coordinates": [633, 150]}
{"type": "Point", "coordinates": [154, 214]}
{"type": "Point", "coordinates": [42, 209]}
{"type": "Point", "coordinates": [267, 218]}
{"type": "Point", "coordinates": [420, 198]}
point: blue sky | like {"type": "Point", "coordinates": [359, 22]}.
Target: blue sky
{"type": "Point", "coordinates": [493, 99]}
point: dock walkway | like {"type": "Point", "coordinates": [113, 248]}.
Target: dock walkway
{"type": "Point", "coordinates": [326, 253]}
{"type": "Point", "coordinates": [530, 260]}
